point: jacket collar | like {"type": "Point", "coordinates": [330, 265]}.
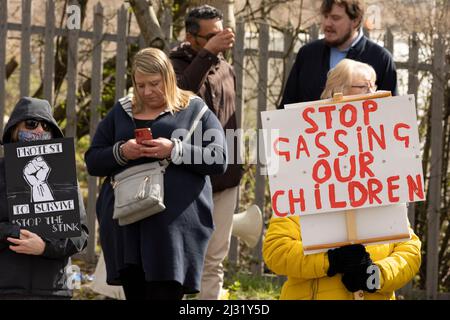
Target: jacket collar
{"type": "Point", "coordinates": [127, 105]}
{"type": "Point", "coordinates": [185, 49]}
{"type": "Point", "coordinates": [188, 51]}
{"type": "Point", "coordinates": [358, 48]}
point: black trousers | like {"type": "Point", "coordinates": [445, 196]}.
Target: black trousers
{"type": "Point", "coordinates": [136, 287]}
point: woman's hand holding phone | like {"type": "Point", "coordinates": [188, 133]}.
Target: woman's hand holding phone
{"type": "Point", "coordinates": [145, 146]}
{"type": "Point", "coordinates": [142, 134]}
{"type": "Point", "coordinates": [159, 148]}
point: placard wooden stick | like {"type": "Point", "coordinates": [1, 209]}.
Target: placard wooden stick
{"type": "Point", "coordinates": [351, 225]}
{"type": "Point", "coordinates": [368, 240]}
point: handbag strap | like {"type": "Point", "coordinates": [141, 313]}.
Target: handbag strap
{"type": "Point", "coordinates": [196, 121]}
{"type": "Point", "coordinates": [165, 163]}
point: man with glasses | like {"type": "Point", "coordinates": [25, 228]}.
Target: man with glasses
{"type": "Point", "coordinates": [343, 38]}
{"type": "Point", "coordinates": [201, 68]}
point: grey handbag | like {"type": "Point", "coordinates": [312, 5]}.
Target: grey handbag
{"type": "Point", "coordinates": [139, 190]}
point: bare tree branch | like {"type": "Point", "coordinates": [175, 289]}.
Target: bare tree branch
{"type": "Point", "coordinates": [148, 24]}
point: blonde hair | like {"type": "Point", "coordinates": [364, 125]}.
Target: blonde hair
{"type": "Point", "coordinates": [154, 61]}
{"type": "Point", "coordinates": [341, 76]}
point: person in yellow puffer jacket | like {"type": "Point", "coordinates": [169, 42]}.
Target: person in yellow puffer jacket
{"type": "Point", "coordinates": [310, 276]}
{"type": "Point", "coordinates": [340, 272]}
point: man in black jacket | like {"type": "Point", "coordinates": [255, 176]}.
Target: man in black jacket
{"type": "Point", "coordinates": [344, 38]}
{"type": "Point", "coordinates": [201, 68]}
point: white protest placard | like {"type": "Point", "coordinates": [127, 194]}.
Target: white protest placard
{"type": "Point", "coordinates": [374, 225]}
{"type": "Point", "coordinates": [343, 156]}
{"type": "Point", "coordinates": [347, 168]}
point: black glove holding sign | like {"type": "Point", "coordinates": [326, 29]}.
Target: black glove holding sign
{"type": "Point", "coordinates": [358, 280]}
{"type": "Point", "coordinates": [8, 230]}
{"type": "Point", "coordinates": [347, 259]}
{"type": "Point", "coordinates": [353, 261]}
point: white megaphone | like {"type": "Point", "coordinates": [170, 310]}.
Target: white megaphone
{"type": "Point", "coordinates": [248, 225]}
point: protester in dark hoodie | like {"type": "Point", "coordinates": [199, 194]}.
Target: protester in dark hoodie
{"type": "Point", "coordinates": [32, 267]}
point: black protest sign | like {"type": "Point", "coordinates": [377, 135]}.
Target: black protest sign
{"type": "Point", "coordinates": [41, 186]}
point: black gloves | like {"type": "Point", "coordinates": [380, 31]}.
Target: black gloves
{"type": "Point", "coordinates": [353, 261]}
{"type": "Point", "coordinates": [9, 230]}
{"type": "Point", "coordinates": [348, 258]}
{"type": "Point", "coordinates": [358, 280]}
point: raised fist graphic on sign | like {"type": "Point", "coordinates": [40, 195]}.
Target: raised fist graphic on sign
{"type": "Point", "coordinates": [35, 174]}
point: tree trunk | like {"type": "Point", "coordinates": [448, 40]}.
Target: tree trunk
{"type": "Point", "coordinates": [148, 24]}
{"type": "Point", "coordinates": [10, 67]}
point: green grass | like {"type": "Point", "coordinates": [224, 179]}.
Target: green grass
{"type": "Point", "coordinates": [242, 286]}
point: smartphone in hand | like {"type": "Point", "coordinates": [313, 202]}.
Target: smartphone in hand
{"type": "Point", "coordinates": [143, 134]}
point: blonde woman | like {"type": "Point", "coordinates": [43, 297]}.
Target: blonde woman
{"type": "Point", "coordinates": [340, 272]}
{"type": "Point", "coordinates": [350, 77]}
{"type": "Point", "coordinates": [159, 257]}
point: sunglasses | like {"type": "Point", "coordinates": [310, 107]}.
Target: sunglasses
{"type": "Point", "coordinates": [207, 37]}
{"type": "Point", "coordinates": [32, 124]}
